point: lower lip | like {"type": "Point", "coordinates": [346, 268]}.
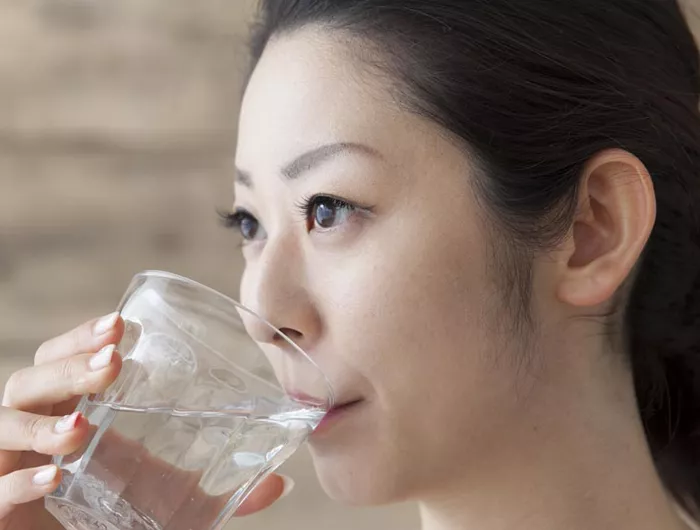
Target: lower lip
{"type": "Point", "coordinates": [335, 415]}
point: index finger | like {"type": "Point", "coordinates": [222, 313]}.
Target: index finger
{"type": "Point", "coordinates": [89, 337]}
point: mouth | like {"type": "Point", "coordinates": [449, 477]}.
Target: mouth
{"type": "Point", "coordinates": [343, 406]}
{"type": "Point", "coordinates": [336, 414]}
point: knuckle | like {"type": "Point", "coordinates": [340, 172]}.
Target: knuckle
{"type": "Point", "coordinates": [11, 490]}
{"type": "Point", "coordinates": [32, 427]}
{"type": "Point", "coordinates": [74, 373]}
{"type": "Point", "coordinates": [74, 341]}
{"type": "Point", "coordinates": [67, 371]}
{"type": "Point", "coordinates": [16, 487]}
{"type": "Point", "coordinates": [13, 384]}
{"type": "Point", "coordinates": [41, 351]}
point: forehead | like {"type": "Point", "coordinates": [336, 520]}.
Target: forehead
{"type": "Point", "coordinates": [307, 90]}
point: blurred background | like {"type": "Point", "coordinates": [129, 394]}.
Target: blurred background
{"type": "Point", "coordinates": [117, 134]}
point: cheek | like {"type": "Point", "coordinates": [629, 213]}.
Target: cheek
{"type": "Point", "coordinates": [402, 290]}
{"type": "Point", "coordinates": [412, 317]}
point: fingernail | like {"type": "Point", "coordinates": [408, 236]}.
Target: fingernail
{"type": "Point", "coordinates": [102, 358]}
{"type": "Point", "coordinates": [106, 323]}
{"type": "Point", "coordinates": [288, 485]}
{"type": "Point", "coordinates": [67, 423]}
{"type": "Point", "coordinates": [45, 476]}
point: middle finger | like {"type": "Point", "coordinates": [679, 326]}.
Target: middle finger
{"type": "Point", "coordinates": [58, 381]}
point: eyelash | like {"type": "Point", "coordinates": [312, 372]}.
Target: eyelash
{"type": "Point", "coordinates": [233, 219]}
{"type": "Point", "coordinates": [305, 208]}
{"type": "Point", "coordinates": [306, 205]}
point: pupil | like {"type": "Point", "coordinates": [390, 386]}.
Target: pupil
{"type": "Point", "coordinates": [325, 215]}
{"type": "Point", "coordinates": [248, 228]}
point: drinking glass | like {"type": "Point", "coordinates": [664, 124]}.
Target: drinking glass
{"type": "Point", "coordinates": [210, 400]}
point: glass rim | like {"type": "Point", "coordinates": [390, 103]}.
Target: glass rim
{"type": "Point", "coordinates": [165, 275]}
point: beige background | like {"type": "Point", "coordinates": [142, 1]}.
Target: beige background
{"type": "Point", "coordinates": [117, 127]}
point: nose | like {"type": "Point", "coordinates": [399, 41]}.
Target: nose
{"type": "Point", "coordinates": [276, 288]}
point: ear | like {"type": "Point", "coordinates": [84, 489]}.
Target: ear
{"type": "Point", "coordinates": [615, 214]}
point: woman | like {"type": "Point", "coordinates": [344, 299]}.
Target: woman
{"type": "Point", "coordinates": [481, 218]}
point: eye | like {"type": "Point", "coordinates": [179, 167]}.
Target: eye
{"type": "Point", "coordinates": [246, 224]}
{"type": "Point", "coordinates": [324, 213]}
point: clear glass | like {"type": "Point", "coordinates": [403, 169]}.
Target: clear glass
{"type": "Point", "coordinates": [210, 400]}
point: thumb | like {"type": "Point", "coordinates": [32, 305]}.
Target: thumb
{"type": "Point", "coordinates": [265, 494]}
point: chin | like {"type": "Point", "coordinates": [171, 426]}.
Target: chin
{"type": "Point", "coordinates": [358, 477]}
{"type": "Point", "coordinates": [355, 461]}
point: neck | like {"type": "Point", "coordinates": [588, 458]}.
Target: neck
{"type": "Point", "coordinates": [577, 486]}
{"type": "Point", "coordinates": [573, 466]}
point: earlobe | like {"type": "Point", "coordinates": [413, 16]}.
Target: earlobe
{"type": "Point", "coordinates": [615, 214]}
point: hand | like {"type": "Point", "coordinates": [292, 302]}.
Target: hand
{"type": "Point", "coordinates": [36, 422]}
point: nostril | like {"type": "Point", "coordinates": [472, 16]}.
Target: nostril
{"type": "Point", "coordinates": [293, 334]}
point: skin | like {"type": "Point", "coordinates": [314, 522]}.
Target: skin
{"type": "Point", "coordinates": [485, 425]}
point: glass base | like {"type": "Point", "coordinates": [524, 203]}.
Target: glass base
{"type": "Point", "coordinates": [75, 517]}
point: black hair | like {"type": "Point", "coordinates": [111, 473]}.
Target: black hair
{"type": "Point", "coordinates": [533, 90]}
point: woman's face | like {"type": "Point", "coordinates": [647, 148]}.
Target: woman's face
{"type": "Point", "coordinates": [366, 245]}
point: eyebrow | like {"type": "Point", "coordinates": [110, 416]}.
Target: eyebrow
{"type": "Point", "coordinates": [311, 159]}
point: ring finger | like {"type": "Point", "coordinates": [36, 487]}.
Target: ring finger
{"type": "Point", "coordinates": [22, 431]}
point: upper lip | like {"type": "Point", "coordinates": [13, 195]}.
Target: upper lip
{"type": "Point", "coordinates": [306, 398]}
